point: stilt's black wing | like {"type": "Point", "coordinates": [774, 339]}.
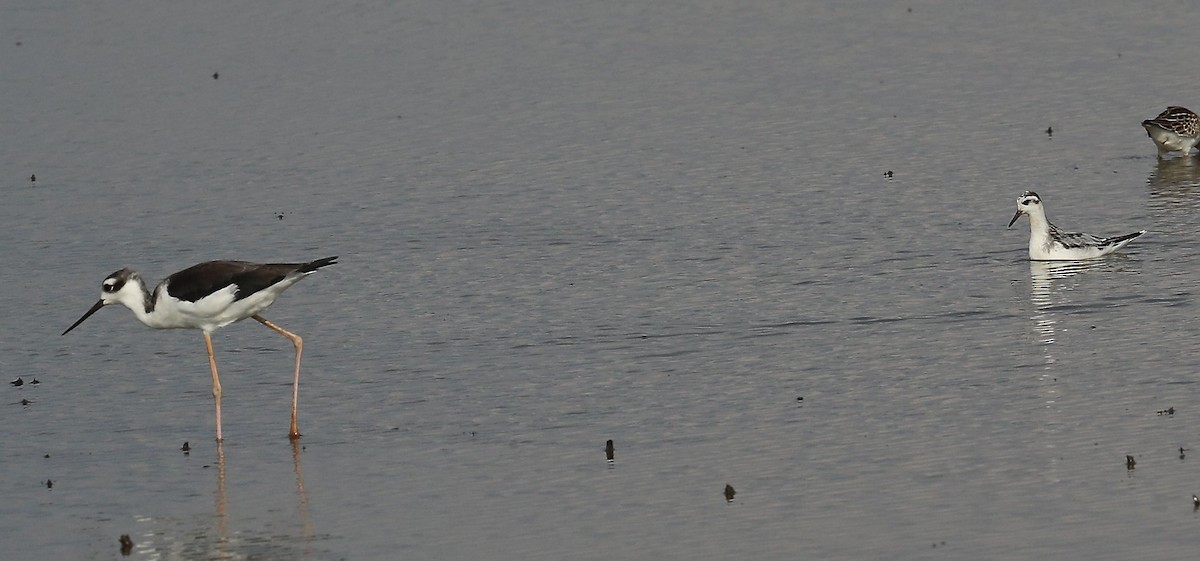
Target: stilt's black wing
{"type": "Point", "coordinates": [198, 281]}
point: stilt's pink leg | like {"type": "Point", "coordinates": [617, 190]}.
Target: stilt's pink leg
{"type": "Point", "coordinates": [294, 433]}
{"type": "Point", "coordinates": [212, 363]}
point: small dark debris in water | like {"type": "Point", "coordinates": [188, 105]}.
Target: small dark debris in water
{"type": "Point", "coordinates": [1093, 327]}
{"type": "Point", "coordinates": [279, 215]}
{"type": "Point", "coordinates": [1167, 411]}
{"type": "Point", "coordinates": [18, 43]}
{"type": "Point", "coordinates": [608, 450]}
{"type": "Point", "coordinates": [49, 484]}
{"type": "Point", "coordinates": [46, 456]}
{"type": "Point", "coordinates": [304, 447]}
{"type": "Point", "coordinates": [1118, 55]}
{"type": "Point", "coordinates": [18, 382]}
{"type": "Point", "coordinates": [35, 381]}
{"type": "Point", "coordinates": [1130, 462]}
{"type": "Point", "coordinates": [1195, 503]}
{"type": "Point", "coordinates": [729, 493]}
{"type": "Point", "coordinates": [126, 544]}
{"type": "Point", "coordinates": [910, 10]}
{"type": "Point", "coordinates": [801, 398]}
{"type": "Point", "coordinates": [187, 448]}
{"type": "Point", "coordinates": [395, 428]}
{"type": "Point", "coordinates": [33, 178]}
{"type": "Point", "coordinates": [1049, 131]}
{"type": "Point", "coordinates": [216, 75]}
{"type": "Point", "coordinates": [25, 402]}
{"type": "Point", "coordinates": [888, 174]}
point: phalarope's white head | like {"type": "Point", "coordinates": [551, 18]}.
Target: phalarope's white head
{"type": "Point", "coordinates": [1048, 243]}
{"type": "Point", "coordinates": [1177, 129]}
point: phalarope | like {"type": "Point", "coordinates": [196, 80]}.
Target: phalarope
{"type": "Point", "coordinates": [1048, 243]}
{"type": "Point", "coordinates": [1177, 129]}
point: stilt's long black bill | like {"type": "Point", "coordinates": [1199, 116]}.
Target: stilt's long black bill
{"type": "Point", "coordinates": [1010, 222]}
{"type": "Point", "coordinates": [89, 313]}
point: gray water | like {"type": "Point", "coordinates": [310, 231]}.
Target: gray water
{"type": "Point", "coordinates": [666, 224]}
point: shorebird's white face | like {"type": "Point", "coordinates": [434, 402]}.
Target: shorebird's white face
{"type": "Point", "coordinates": [1027, 203]}
{"type": "Point", "coordinates": [121, 287]}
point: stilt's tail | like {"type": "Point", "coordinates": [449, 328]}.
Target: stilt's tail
{"type": "Point", "coordinates": [314, 265]}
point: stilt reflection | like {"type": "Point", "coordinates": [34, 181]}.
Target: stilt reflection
{"type": "Point", "coordinates": [225, 535]}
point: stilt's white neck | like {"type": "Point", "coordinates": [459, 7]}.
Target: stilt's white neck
{"type": "Point", "coordinates": [138, 299]}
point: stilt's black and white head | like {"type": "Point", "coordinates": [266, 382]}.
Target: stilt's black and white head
{"type": "Point", "coordinates": [1026, 203]}
{"type": "Point", "coordinates": [122, 287]}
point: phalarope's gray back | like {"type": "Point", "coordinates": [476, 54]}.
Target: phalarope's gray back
{"type": "Point", "coordinates": [1177, 129]}
{"type": "Point", "coordinates": [1048, 243]}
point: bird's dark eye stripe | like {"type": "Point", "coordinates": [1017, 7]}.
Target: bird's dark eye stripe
{"type": "Point", "coordinates": [1025, 202]}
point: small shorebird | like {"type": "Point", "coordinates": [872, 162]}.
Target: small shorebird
{"type": "Point", "coordinates": [1048, 243]}
{"type": "Point", "coordinates": [207, 297]}
{"type": "Point", "coordinates": [1176, 129]}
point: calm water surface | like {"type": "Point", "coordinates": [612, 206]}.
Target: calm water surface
{"type": "Point", "coordinates": [667, 225]}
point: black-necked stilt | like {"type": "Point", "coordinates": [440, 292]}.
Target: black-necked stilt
{"type": "Point", "coordinates": [207, 297]}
